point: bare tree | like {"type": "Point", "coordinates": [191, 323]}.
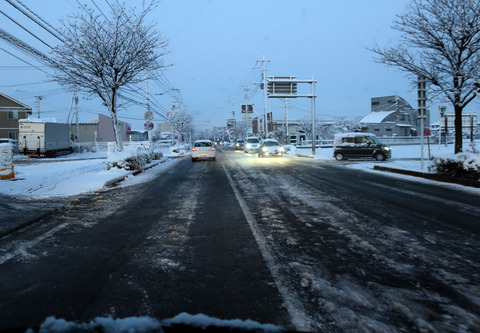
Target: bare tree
{"type": "Point", "coordinates": [100, 54]}
{"type": "Point", "coordinates": [440, 40]}
{"type": "Point", "coordinates": [181, 121]}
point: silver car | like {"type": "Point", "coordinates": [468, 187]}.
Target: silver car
{"type": "Point", "coordinates": [251, 144]}
{"type": "Point", "coordinates": [203, 149]}
{"type": "Point", "coordinates": [270, 147]}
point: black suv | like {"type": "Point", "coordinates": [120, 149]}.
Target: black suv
{"type": "Point", "coordinates": [356, 145]}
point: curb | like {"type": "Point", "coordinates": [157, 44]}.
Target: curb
{"type": "Point", "coordinates": [431, 176]}
{"type": "Point", "coordinates": [300, 155]}
{"type": "Point", "coordinates": [115, 181]}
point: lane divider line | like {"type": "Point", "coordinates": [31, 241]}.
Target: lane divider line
{"type": "Point", "coordinates": [295, 308]}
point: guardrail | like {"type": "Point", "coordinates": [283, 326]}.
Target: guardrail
{"type": "Point", "coordinates": [412, 140]}
{"type": "Point", "coordinates": [318, 144]}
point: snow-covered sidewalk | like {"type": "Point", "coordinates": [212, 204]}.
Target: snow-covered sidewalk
{"type": "Point", "coordinates": [73, 174]}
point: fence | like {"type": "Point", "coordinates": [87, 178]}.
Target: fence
{"type": "Point", "coordinates": [412, 140]}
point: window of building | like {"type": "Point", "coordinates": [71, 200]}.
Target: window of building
{"type": "Point", "coordinates": [375, 103]}
{"type": "Point", "coordinates": [12, 135]}
{"type": "Point", "coordinates": [12, 114]}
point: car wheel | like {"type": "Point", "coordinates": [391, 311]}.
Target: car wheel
{"type": "Point", "coordinates": [339, 156]}
{"type": "Point", "coordinates": [380, 157]}
{"type": "Point", "coordinates": [194, 159]}
{"type": "Point", "coordinates": [213, 159]}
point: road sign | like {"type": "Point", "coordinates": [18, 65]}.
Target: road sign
{"type": "Point", "coordinates": [148, 115]}
{"type": "Point", "coordinates": [148, 126]}
{"type": "Point", "coordinates": [282, 86]}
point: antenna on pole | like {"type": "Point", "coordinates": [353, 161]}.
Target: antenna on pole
{"type": "Point", "coordinates": [37, 104]}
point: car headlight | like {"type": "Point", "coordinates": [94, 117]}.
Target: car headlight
{"type": "Point", "coordinates": [248, 145]}
{"type": "Point", "coordinates": [281, 149]}
{"type": "Point", "coordinates": [388, 148]}
{"type": "Point", "coordinates": [264, 148]}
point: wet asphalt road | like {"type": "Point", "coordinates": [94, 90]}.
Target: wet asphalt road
{"type": "Point", "coordinates": [302, 244]}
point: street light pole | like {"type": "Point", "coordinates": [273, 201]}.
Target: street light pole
{"type": "Point", "coordinates": [313, 117]}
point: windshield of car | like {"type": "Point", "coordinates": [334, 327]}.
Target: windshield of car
{"type": "Point", "coordinates": [203, 144]}
{"type": "Point", "coordinates": [253, 140]}
{"type": "Point", "coordinates": [271, 143]}
{"type": "Point", "coordinates": [375, 140]}
{"type": "Point", "coordinates": [240, 141]}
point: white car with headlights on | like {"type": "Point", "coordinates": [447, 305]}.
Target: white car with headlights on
{"type": "Point", "coordinates": [270, 147]}
{"type": "Point", "coordinates": [251, 144]}
{"type": "Point", "coordinates": [203, 149]}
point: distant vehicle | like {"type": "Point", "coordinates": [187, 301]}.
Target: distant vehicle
{"type": "Point", "coordinates": [43, 139]}
{"type": "Point", "coordinates": [357, 145]}
{"type": "Point", "coordinates": [270, 147]}
{"type": "Point", "coordinates": [239, 144]}
{"type": "Point", "coordinates": [203, 149]}
{"type": "Point", "coordinates": [14, 144]}
{"type": "Point", "coordinates": [251, 144]}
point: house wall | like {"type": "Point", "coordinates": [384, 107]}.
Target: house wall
{"type": "Point", "coordinates": [10, 112]}
{"type": "Point", "coordinates": [105, 129]}
{"type": "Point", "coordinates": [86, 132]}
{"type": "Point", "coordinates": [403, 121]}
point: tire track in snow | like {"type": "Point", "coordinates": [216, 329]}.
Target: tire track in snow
{"type": "Point", "coordinates": [295, 308]}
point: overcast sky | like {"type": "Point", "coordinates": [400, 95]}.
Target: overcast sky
{"type": "Point", "coordinates": [215, 47]}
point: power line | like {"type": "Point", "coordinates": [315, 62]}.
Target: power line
{"type": "Point", "coordinates": [21, 26]}
{"type": "Point", "coordinates": [20, 58]}
{"type": "Point", "coordinates": [35, 19]}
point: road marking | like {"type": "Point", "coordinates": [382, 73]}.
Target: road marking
{"type": "Point", "coordinates": [295, 308]}
{"type": "Point", "coordinates": [23, 247]}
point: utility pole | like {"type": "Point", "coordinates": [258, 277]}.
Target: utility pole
{"type": "Point", "coordinates": [232, 100]}
{"type": "Point", "coordinates": [245, 88]}
{"type": "Point", "coordinates": [422, 110]}
{"type": "Point", "coordinates": [77, 125]}
{"type": "Point", "coordinates": [174, 101]}
{"type": "Point", "coordinates": [264, 79]}
{"type": "Point", "coordinates": [37, 104]}
{"type": "Point", "coordinates": [147, 100]}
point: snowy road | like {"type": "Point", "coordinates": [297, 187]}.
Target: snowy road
{"type": "Point", "coordinates": [300, 243]}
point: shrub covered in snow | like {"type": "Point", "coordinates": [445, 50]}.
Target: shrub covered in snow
{"type": "Point", "coordinates": [132, 160]}
{"type": "Point", "coordinates": [465, 165]}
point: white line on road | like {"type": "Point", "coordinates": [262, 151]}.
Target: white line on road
{"type": "Point", "coordinates": [295, 308]}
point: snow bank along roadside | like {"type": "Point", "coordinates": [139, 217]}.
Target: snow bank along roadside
{"type": "Point", "coordinates": [182, 321]}
{"type": "Point", "coordinates": [74, 174]}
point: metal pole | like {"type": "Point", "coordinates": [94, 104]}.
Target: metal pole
{"type": "Point", "coordinates": [264, 73]}
{"type": "Point", "coordinates": [471, 128]}
{"type": "Point", "coordinates": [421, 139]}
{"type": "Point", "coordinates": [313, 116]}
{"type": "Point", "coordinates": [286, 122]}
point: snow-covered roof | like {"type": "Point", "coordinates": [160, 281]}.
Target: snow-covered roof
{"type": "Point", "coordinates": [376, 117]}
{"type": "Point", "coordinates": [38, 120]}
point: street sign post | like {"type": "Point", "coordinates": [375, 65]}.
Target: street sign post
{"type": "Point", "coordinates": [148, 115]}
{"type": "Point", "coordinates": [148, 126]}
{"type": "Point", "coordinates": [286, 87]}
